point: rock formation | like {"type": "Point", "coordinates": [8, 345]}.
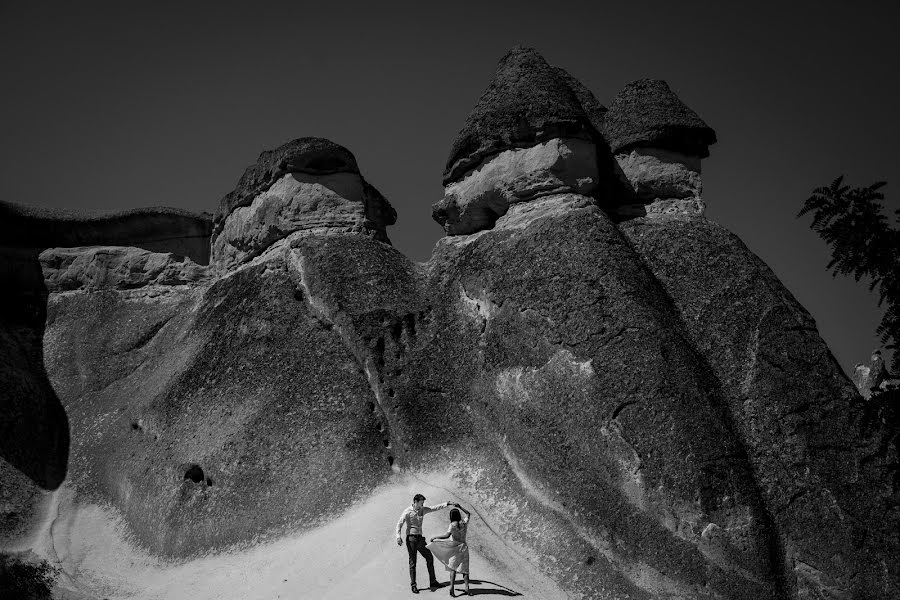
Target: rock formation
{"type": "Point", "coordinates": [309, 185]}
{"type": "Point", "coordinates": [533, 133]}
{"type": "Point", "coordinates": [658, 143]}
{"type": "Point", "coordinates": [629, 396]}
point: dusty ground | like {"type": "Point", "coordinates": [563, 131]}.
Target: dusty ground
{"type": "Point", "coordinates": [353, 557]}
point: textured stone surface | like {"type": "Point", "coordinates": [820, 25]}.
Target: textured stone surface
{"type": "Point", "coordinates": [568, 356]}
{"type": "Point", "coordinates": [654, 174]}
{"type": "Point", "coordinates": [331, 203]}
{"type": "Point", "coordinates": [528, 101]}
{"type": "Point", "coordinates": [823, 461]}
{"type": "Point", "coordinates": [242, 379]}
{"type": "Point", "coordinates": [592, 107]}
{"type": "Point", "coordinates": [553, 167]}
{"type": "Point", "coordinates": [309, 156]}
{"type": "Point", "coordinates": [642, 407]}
{"type": "Point", "coordinates": [647, 113]}
{"type": "Point", "coordinates": [115, 267]}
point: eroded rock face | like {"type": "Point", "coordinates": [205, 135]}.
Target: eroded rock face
{"type": "Point", "coordinates": [527, 102]}
{"type": "Point", "coordinates": [116, 267]}
{"type": "Point", "coordinates": [318, 189]}
{"type": "Point", "coordinates": [310, 155]}
{"type": "Point", "coordinates": [660, 174]}
{"type": "Point", "coordinates": [665, 183]}
{"type": "Point", "coordinates": [553, 167]}
{"type": "Point", "coordinates": [337, 203]}
{"type": "Point", "coordinates": [638, 404]}
{"type": "Point", "coordinates": [819, 453]}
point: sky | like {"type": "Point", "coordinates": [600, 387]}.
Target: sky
{"type": "Point", "coordinates": [107, 106]}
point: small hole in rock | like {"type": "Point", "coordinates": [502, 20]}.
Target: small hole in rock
{"type": "Point", "coordinates": [135, 426]}
{"type": "Point", "coordinates": [194, 473]}
{"type": "Point", "coordinates": [391, 460]}
{"type": "Point", "coordinates": [371, 406]}
{"type": "Point", "coordinates": [209, 482]}
{"type": "Point", "coordinates": [386, 442]}
{"type": "Point", "coordinates": [298, 295]}
{"type": "Point", "coordinates": [589, 560]}
{"type": "Point", "coordinates": [381, 427]}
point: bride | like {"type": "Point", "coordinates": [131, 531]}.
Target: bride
{"type": "Point", "coordinates": [451, 548]}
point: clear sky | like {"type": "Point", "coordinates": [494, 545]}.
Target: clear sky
{"type": "Point", "coordinates": [128, 104]}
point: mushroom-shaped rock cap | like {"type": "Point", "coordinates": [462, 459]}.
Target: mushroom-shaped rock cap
{"type": "Point", "coordinates": [528, 101]}
{"type": "Point", "coordinates": [312, 155]}
{"type": "Point", "coordinates": [647, 113]}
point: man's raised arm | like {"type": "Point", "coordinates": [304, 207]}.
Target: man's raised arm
{"type": "Point", "coordinates": [428, 509]}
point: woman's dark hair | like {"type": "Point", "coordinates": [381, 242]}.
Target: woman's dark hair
{"type": "Point", "coordinates": [454, 515]}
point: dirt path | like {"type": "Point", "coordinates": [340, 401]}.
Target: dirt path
{"type": "Point", "coordinates": [354, 557]}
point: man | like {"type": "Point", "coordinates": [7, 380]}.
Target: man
{"type": "Point", "coordinates": [415, 539]}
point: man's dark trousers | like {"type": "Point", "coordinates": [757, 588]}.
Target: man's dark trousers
{"type": "Point", "coordinates": [417, 543]}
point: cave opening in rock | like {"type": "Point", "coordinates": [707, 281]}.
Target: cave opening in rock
{"type": "Point", "coordinates": [194, 473]}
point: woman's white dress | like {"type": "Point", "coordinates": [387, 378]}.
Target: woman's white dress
{"type": "Point", "coordinates": [453, 552]}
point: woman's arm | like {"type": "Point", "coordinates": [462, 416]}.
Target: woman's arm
{"type": "Point", "coordinates": [468, 514]}
{"type": "Point", "coordinates": [440, 537]}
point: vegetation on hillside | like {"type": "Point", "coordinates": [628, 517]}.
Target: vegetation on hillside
{"type": "Point", "coordinates": [864, 244]}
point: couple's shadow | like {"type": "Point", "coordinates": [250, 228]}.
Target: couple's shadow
{"type": "Point", "coordinates": [499, 590]}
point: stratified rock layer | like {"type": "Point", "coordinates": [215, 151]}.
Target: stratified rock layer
{"type": "Point", "coordinates": [556, 166]}
{"type": "Point", "coordinates": [115, 267]}
{"type": "Point", "coordinates": [646, 113]}
{"type": "Point", "coordinates": [310, 155]}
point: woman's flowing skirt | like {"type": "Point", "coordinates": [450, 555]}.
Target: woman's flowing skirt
{"type": "Point", "coordinates": [454, 555]}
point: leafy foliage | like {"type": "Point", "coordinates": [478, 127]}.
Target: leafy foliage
{"type": "Point", "coordinates": [26, 580]}
{"type": "Point", "coordinates": [863, 244]}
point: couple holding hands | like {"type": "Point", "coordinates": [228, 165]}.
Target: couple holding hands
{"type": "Point", "coordinates": [450, 548]}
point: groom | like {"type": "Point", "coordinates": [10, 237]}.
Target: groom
{"type": "Point", "coordinates": [415, 539]}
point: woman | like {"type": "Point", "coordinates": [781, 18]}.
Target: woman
{"type": "Point", "coordinates": [451, 548]}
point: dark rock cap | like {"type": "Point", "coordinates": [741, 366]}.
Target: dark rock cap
{"type": "Point", "coordinates": [647, 113]}
{"type": "Point", "coordinates": [528, 101]}
{"type": "Point", "coordinates": [313, 155]}
{"type": "Point", "coordinates": [595, 111]}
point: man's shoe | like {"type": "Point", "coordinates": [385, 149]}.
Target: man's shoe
{"type": "Point", "coordinates": [415, 590]}
{"type": "Point", "coordinates": [434, 585]}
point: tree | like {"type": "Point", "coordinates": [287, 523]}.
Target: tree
{"type": "Point", "coordinates": [863, 244]}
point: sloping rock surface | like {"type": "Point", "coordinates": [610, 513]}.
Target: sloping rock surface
{"type": "Point", "coordinates": [820, 455]}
